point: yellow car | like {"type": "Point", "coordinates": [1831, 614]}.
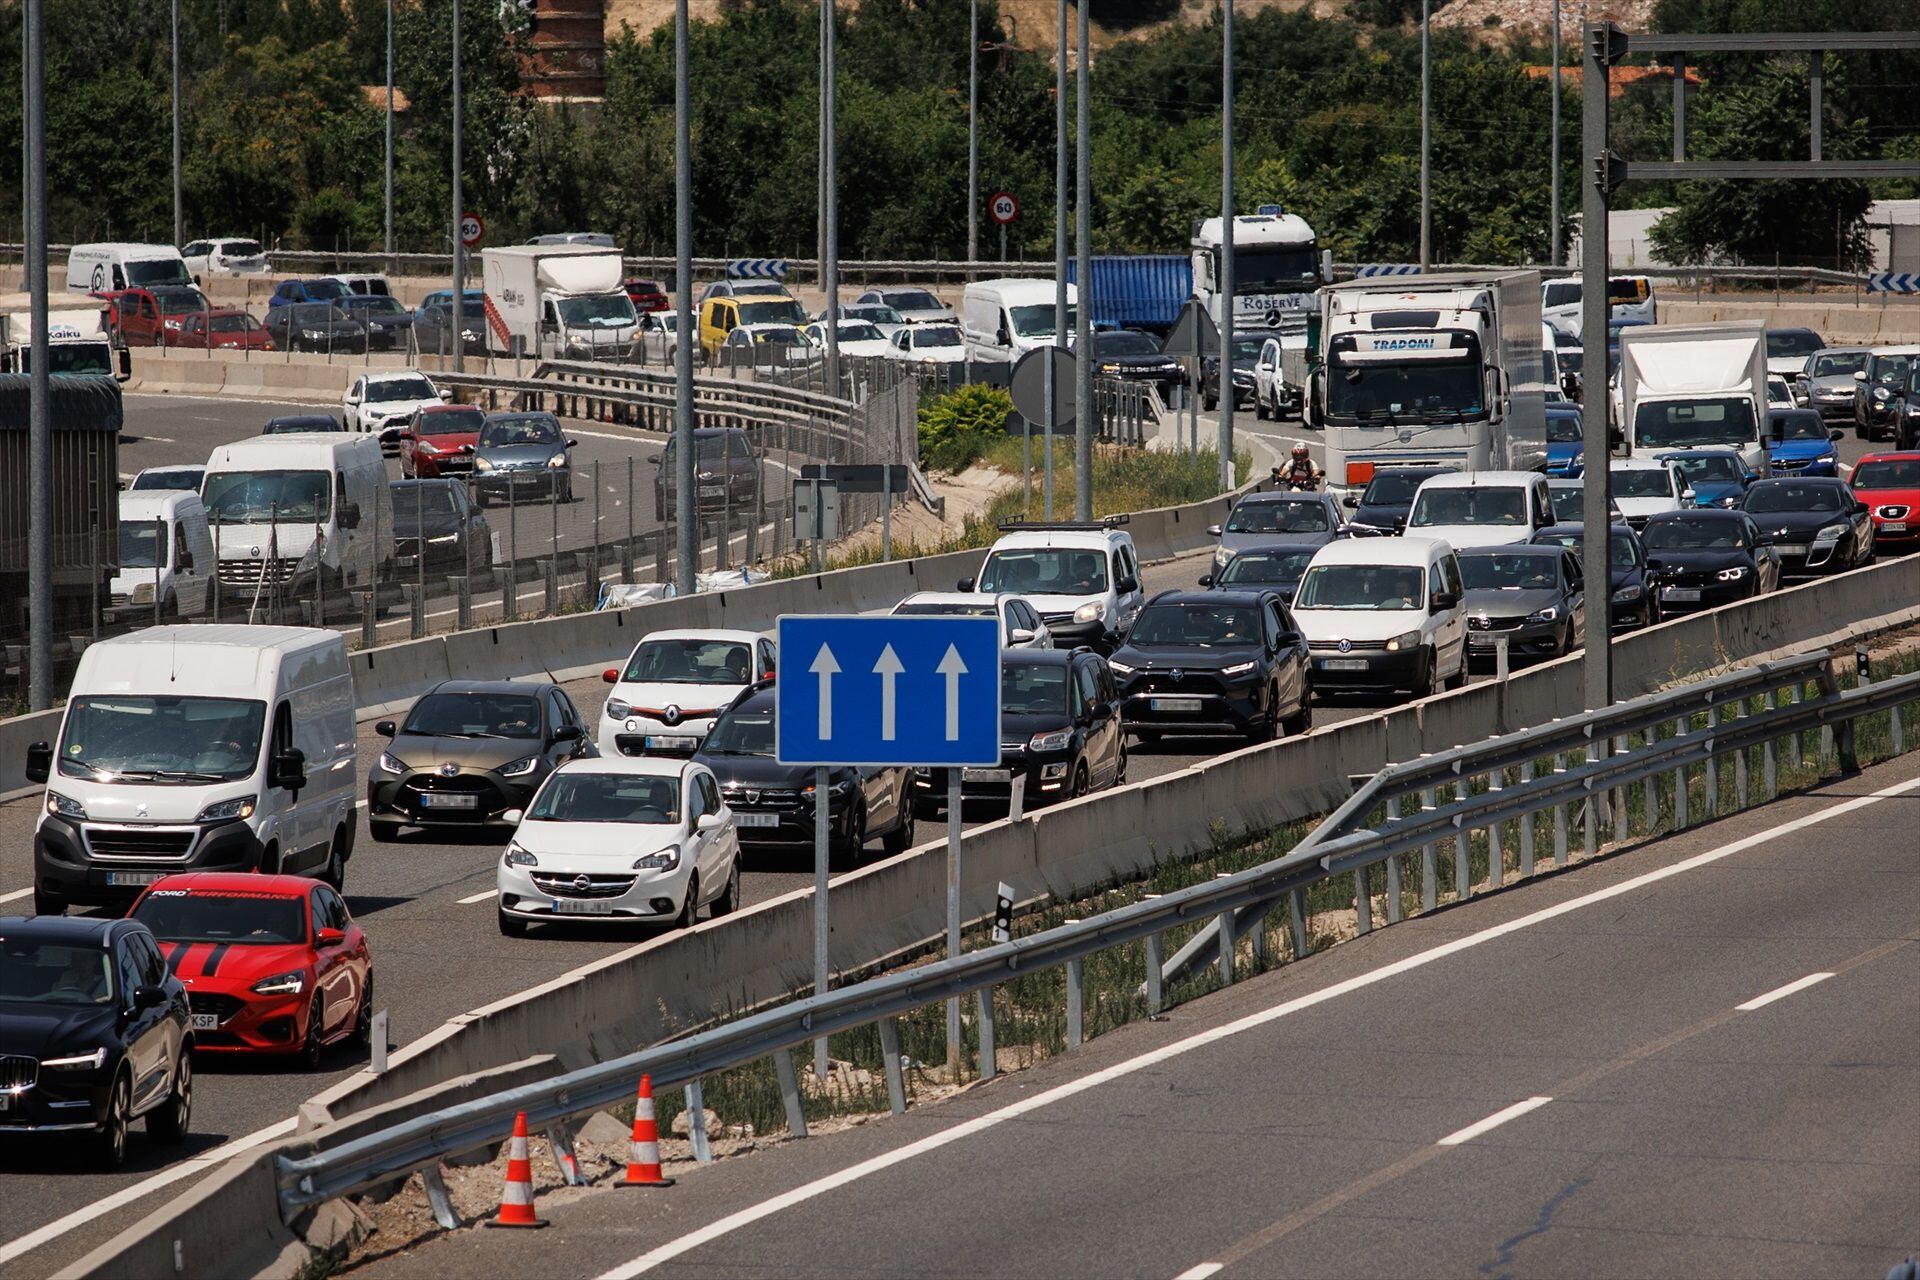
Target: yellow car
{"type": "Point", "coordinates": [721, 316]}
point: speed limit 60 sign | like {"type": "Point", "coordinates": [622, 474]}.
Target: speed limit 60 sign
{"type": "Point", "coordinates": [1003, 207]}
{"type": "Point", "coordinates": [471, 229]}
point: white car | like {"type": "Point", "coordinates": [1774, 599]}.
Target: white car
{"type": "Point", "coordinates": [916, 306]}
{"type": "Point", "coordinates": [384, 403]}
{"type": "Point", "coordinates": [879, 315]}
{"type": "Point", "coordinates": [1779, 395]}
{"type": "Point", "coordinates": [1021, 626]}
{"type": "Point", "coordinates": [1481, 508]}
{"type": "Point", "coordinates": [675, 684]}
{"type": "Point", "coordinates": [1270, 394]}
{"type": "Point", "coordinates": [929, 344]}
{"type": "Point", "coordinates": [857, 338]}
{"type": "Point", "coordinates": [1083, 578]}
{"type": "Point", "coordinates": [1644, 488]}
{"type": "Point", "coordinates": [634, 840]}
{"type": "Point", "coordinates": [224, 257]}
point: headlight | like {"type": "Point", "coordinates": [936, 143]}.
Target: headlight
{"type": "Point", "coordinates": [1220, 557]}
{"type": "Point", "coordinates": [1411, 640]}
{"type": "Point", "coordinates": [481, 464]}
{"type": "Point", "coordinates": [1238, 669]}
{"type": "Point", "coordinates": [1626, 595]}
{"type": "Point", "coordinates": [1831, 533]}
{"type": "Point", "coordinates": [520, 768]}
{"type": "Point", "coordinates": [618, 710]}
{"type": "Point", "coordinates": [1879, 393]}
{"type": "Point", "coordinates": [142, 593]}
{"type": "Point", "coordinates": [518, 856]}
{"type": "Point", "coordinates": [557, 461]}
{"type": "Point", "coordinates": [79, 1062]}
{"type": "Point", "coordinates": [1059, 740]}
{"type": "Point", "coordinates": [65, 807]}
{"type": "Point", "coordinates": [423, 446]}
{"type": "Point", "coordinates": [1547, 614]}
{"type": "Point", "coordinates": [281, 984]}
{"type": "Point", "coordinates": [1734, 574]}
{"type": "Point", "coordinates": [665, 860]}
{"type": "Point", "coordinates": [321, 333]}
{"type": "Point", "coordinates": [228, 810]}
{"type": "Point", "coordinates": [1119, 668]}
{"type": "Point", "coordinates": [1729, 502]}
{"type": "Point", "coordinates": [389, 763]}
{"type": "Point", "coordinates": [1109, 368]}
{"type": "Point", "coordinates": [1089, 612]}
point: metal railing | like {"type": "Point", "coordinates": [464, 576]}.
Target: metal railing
{"type": "Point", "coordinates": [1580, 769]}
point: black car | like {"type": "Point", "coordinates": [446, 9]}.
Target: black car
{"type": "Point", "coordinates": [437, 516]}
{"type": "Point", "coordinates": [1246, 354]}
{"type": "Point", "coordinates": [93, 1033]}
{"type": "Point", "coordinates": [726, 470]}
{"type": "Point", "coordinates": [469, 752]}
{"type": "Point", "coordinates": [315, 326]}
{"type": "Point", "coordinates": [1707, 557]}
{"type": "Point", "coordinates": [1634, 601]}
{"type": "Point", "coordinates": [773, 803]}
{"type": "Point", "coordinates": [1135, 356]}
{"type": "Point", "coordinates": [1214, 662]}
{"type": "Point", "coordinates": [389, 325]}
{"type": "Point", "coordinates": [1059, 729]}
{"type": "Point", "coordinates": [298, 423]}
{"type": "Point", "coordinates": [1815, 523]}
{"type": "Point", "coordinates": [1381, 509]}
{"type": "Point", "coordinates": [1276, 568]}
{"type": "Point", "coordinates": [433, 331]}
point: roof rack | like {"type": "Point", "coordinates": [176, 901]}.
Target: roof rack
{"type": "Point", "coordinates": [1053, 526]}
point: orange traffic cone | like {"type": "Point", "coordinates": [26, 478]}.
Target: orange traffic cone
{"type": "Point", "coordinates": [643, 1165]}
{"type": "Point", "coordinates": [516, 1196]}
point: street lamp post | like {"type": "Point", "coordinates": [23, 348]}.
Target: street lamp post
{"type": "Point", "coordinates": [39, 428]}
{"type": "Point", "coordinates": [179, 233]}
{"type": "Point", "coordinates": [1060, 179]}
{"type": "Point", "coordinates": [686, 507]}
{"type": "Point", "coordinates": [1426, 139]}
{"type": "Point", "coordinates": [973, 130]}
{"type": "Point", "coordinates": [1226, 245]}
{"type": "Point", "coordinates": [459, 247]}
{"type": "Point", "coordinates": [1553, 228]}
{"type": "Point", "coordinates": [389, 170]}
{"type": "Point", "coordinates": [1083, 271]}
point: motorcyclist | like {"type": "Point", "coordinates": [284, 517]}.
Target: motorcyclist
{"type": "Point", "coordinates": [1300, 472]}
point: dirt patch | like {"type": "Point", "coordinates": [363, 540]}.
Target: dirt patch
{"type": "Point", "coordinates": [969, 493]}
{"type": "Point", "coordinates": [1533, 19]}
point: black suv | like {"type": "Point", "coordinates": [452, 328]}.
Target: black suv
{"type": "Point", "coordinates": [1381, 509]}
{"type": "Point", "coordinates": [773, 803]}
{"type": "Point", "coordinates": [1214, 662]}
{"type": "Point", "coordinates": [469, 752]}
{"type": "Point", "coordinates": [1059, 728]}
{"type": "Point", "coordinates": [93, 1033]}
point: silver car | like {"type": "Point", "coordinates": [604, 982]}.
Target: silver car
{"type": "Point", "coordinates": [1827, 383]}
{"type": "Point", "coordinates": [1276, 519]}
{"type": "Point", "coordinates": [916, 306]}
{"type": "Point", "coordinates": [522, 455]}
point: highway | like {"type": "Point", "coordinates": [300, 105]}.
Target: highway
{"type": "Point", "coordinates": [1694, 1058]}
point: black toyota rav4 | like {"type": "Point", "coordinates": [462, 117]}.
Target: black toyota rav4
{"type": "Point", "coordinates": [1214, 662]}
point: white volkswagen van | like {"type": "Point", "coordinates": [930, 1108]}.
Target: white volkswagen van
{"type": "Point", "coordinates": [1382, 614]}
{"type": "Point", "coordinates": [103, 268]}
{"type": "Point", "coordinates": [1481, 508]}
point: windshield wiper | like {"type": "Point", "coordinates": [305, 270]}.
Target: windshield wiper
{"type": "Point", "coordinates": [190, 775]}
{"type": "Point", "coordinates": [108, 769]}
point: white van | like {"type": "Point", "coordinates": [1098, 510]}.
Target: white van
{"type": "Point", "coordinates": [1382, 614]}
{"type": "Point", "coordinates": [166, 563]}
{"type": "Point", "coordinates": [1629, 299]}
{"type": "Point", "coordinates": [366, 285]}
{"type": "Point", "coordinates": [1481, 508]}
{"type": "Point", "coordinates": [1083, 578]}
{"type": "Point", "coordinates": [1005, 319]}
{"type": "Point", "coordinates": [196, 748]}
{"type": "Point", "coordinates": [104, 268]}
{"type": "Point", "coordinates": [287, 507]}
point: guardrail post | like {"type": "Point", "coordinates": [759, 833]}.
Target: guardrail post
{"type": "Point", "coordinates": [1496, 858]}
{"type": "Point", "coordinates": [1395, 908]}
{"type": "Point", "coordinates": [790, 1092]}
{"type": "Point", "coordinates": [1680, 796]}
{"type": "Point", "coordinates": [1297, 920]}
{"type": "Point", "coordinates": [697, 1123]}
{"type": "Point", "coordinates": [1769, 770]}
{"type": "Point", "coordinates": [550, 576]}
{"type": "Point", "coordinates": [1711, 808]}
{"type": "Point", "coordinates": [462, 599]}
{"type": "Point", "coordinates": [626, 548]}
{"type": "Point", "coordinates": [1224, 927]}
{"type": "Point", "coordinates": [1593, 812]}
{"type": "Point", "coordinates": [1429, 859]}
{"type": "Point", "coordinates": [1155, 995]}
{"type": "Point", "coordinates": [1462, 865]}
{"type": "Point", "coordinates": [1796, 743]}
{"type": "Point", "coordinates": [369, 626]}
{"type": "Point", "coordinates": [1560, 817]}
{"type": "Point", "coordinates": [989, 1060]}
{"type": "Point", "coordinates": [1362, 903]}
{"type": "Point", "coordinates": [416, 610]}
{"type": "Point", "coordinates": [442, 1203]}
{"type": "Point", "coordinates": [1076, 1008]}
{"type": "Point", "coordinates": [509, 592]}
{"type": "Point", "coordinates": [1620, 825]}
{"type": "Point", "coordinates": [1740, 768]}
{"type": "Point", "coordinates": [890, 1058]}
{"type": "Point", "coordinates": [560, 1144]}
{"type": "Point", "coordinates": [1526, 825]}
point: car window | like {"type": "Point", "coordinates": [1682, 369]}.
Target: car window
{"type": "Point", "coordinates": [1086, 685]}
{"type": "Point", "coordinates": [697, 798]}
{"type": "Point", "coordinates": [1274, 624]}
{"type": "Point", "coordinates": [126, 968]}
{"type": "Point", "coordinates": [563, 710]}
{"type": "Point", "coordinates": [153, 970]}
{"type": "Point", "coordinates": [1436, 582]}
{"type": "Point", "coordinates": [769, 664]}
{"type": "Point", "coordinates": [710, 789]}
{"type": "Point", "coordinates": [1450, 569]}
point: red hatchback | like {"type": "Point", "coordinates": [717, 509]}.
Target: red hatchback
{"type": "Point", "coordinates": [223, 329]}
{"type": "Point", "coordinates": [440, 441]}
{"type": "Point", "coordinates": [1889, 483]}
{"type": "Point", "coordinates": [646, 295]}
{"type": "Point", "coordinates": [272, 964]}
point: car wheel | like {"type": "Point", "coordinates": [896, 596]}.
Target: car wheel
{"type": "Point", "coordinates": [110, 1144]}
{"type": "Point", "coordinates": [169, 1124]}
{"type": "Point", "coordinates": [842, 857]}
{"type": "Point", "coordinates": [363, 1019]}
{"type": "Point", "coordinates": [511, 926]}
{"type": "Point", "coordinates": [566, 490]}
{"type": "Point", "coordinates": [1459, 678]}
{"type": "Point", "coordinates": [1303, 721]}
{"type": "Point", "coordinates": [383, 832]}
{"type": "Point", "coordinates": [1080, 786]}
{"type": "Point", "coordinates": [334, 873]}
{"type": "Point", "coordinates": [900, 839]}
{"type": "Point", "coordinates": [47, 904]}
{"type": "Point", "coordinates": [1120, 769]}
{"type": "Point", "coordinates": [729, 900]}
{"type": "Point", "coordinates": [690, 909]}
{"type": "Point", "coordinates": [312, 1047]}
{"type": "Point", "coordinates": [1423, 684]}
{"type": "Point", "coordinates": [1259, 407]}
{"type": "Point", "coordinates": [1268, 727]}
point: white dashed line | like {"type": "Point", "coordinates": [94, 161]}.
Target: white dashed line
{"type": "Point", "coordinates": [470, 899]}
{"type": "Point", "coordinates": [1781, 993]}
{"type": "Point", "coordinates": [1493, 1121]}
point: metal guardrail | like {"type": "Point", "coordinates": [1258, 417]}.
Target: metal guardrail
{"type": "Point", "coordinates": [1711, 721]}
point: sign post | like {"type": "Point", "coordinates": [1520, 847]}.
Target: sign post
{"type": "Point", "coordinates": [1004, 209]}
{"type": "Point", "coordinates": [860, 674]}
{"type": "Point", "coordinates": [1195, 336]}
{"type": "Point", "coordinates": [816, 512]}
{"type": "Point", "coordinates": [472, 229]}
{"type": "Point", "coordinates": [1042, 388]}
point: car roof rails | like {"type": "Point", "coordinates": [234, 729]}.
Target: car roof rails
{"type": "Point", "coordinates": [1055, 526]}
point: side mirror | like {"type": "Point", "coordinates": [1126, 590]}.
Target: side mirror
{"type": "Point", "coordinates": [149, 997]}
{"type": "Point", "coordinates": [385, 729]}
{"type": "Point", "coordinates": [1859, 375]}
{"type": "Point", "coordinates": [329, 936]}
{"type": "Point", "coordinates": [965, 584]}
{"type": "Point", "coordinates": [1686, 495]}
{"type": "Point", "coordinates": [404, 434]}
{"type": "Point", "coordinates": [1213, 531]}
{"type": "Point", "coordinates": [186, 562]}
{"type": "Point", "coordinates": [513, 816]}
{"type": "Point", "coordinates": [1836, 435]}
{"type": "Point", "coordinates": [611, 675]}
{"type": "Point", "coordinates": [1206, 579]}
{"type": "Point", "coordinates": [1022, 636]}
{"type": "Point", "coordinates": [288, 769]}
{"type": "Point", "coordinates": [125, 371]}
{"type": "Point", "coordinates": [707, 822]}
{"type": "Point", "coordinates": [1443, 600]}
{"type": "Point", "coordinates": [39, 761]}
{"type": "Point", "coordinates": [573, 444]}
{"type": "Point", "coordinates": [1615, 437]}
{"type": "Point", "coordinates": [1128, 584]}
{"type": "Point", "coordinates": [1350, 500]}
{"type": "Point", "coordinates": [567, 733]}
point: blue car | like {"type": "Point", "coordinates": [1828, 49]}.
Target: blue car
{"type": "Point", "coordinates": [471, 301]}
{"type": "Point", "coordinates": [1566, 446]}
{"type": "Point", "coordinates": [320, 289]}
{"type": "Point", "coordinates": [1719, 477]}
{"type": "Point", "coordinates": [1799, 444]}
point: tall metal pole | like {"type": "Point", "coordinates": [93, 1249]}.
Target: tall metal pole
{"type": "Point", "coordinates": [1426, 139]}
{"type": "Point", "coordinates": [179, 232]}
{"type": "Point", "coordinates": [1553, 227]}
{"type": "Point", "coordinates": [1597, 663]}
{"type": "Point", "coordinates": [1061, 177]}
{"type": "Point", "coordinates": [389, 183]}
{"type": "Point", "coordinates": [830, 190]}
{"type": "Point", "coordinates": [459, 249]}
{"type": "Point", "coordinates": [39, 432]}
{"type": "Point", "coordinates": [973, 130]}
{"type": "Point", "coordinates": [820, 160]}
{"type": "Point", "coordinates": [1226, 245]}
{"type": "Point", "coordinates": [1083, 272]}
{"type": "Point", "coordinates": [687, 496]}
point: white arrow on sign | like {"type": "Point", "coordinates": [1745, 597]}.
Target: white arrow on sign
{"type": "Point", "coordinates": [952, 668]}
{"type": "Point", "coordinates": [826, 668]}
{"type": "Point", "coordinates": [887, 668]}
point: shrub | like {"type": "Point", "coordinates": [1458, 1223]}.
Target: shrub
{"type": "Point", "coordinates": [956, 428]}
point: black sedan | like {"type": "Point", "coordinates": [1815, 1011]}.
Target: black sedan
{"type": "Point", "coordinates": [389, 325]}
{"type": "Point", "coordinates": [1263, 568]}
{"type": "Point", "coordinates": [95, 1032]}
{"type": "Point", "coordinates": [1135, 356]}
{"type": "Point", "coordinates": [293, 424]}
{"type": "Point", "coordinates": [1214, 662]}
{"type": "Point", "coordinates": [1633, 597]}
{"type": "Point", "coordinates": [774, 804]}
{"type": "Point", "coordinates": [315, 326]}
{"type": "Point", "coordinates": [470, 753]}
{"type": "Point", "coordinates": [1381, 509]}
{"type": "Point", "coordinates": [1815, 522]}
{"type": "Point", "coordinates": [437, 517]}
{"type": "Point", "coordinates": [1706, 557]}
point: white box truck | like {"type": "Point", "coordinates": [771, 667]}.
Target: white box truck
{"type": "Point", "coordinates": [558, 302]}
{"type": "Point", "coordinates": [1689, 386]}
{"type": "Point", "coordinates": [79, 339]}
{"type": "Point", "coordinates": [1439, 370]}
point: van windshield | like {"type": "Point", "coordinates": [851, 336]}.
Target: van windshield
{"type": "Point", "coordinates": [1691, 423]}
{"type": "Point", "coordinates": [147, 272]}
{"type": "Point", "coordinates": [1434, 508]}
{"type": "Point", "coordinates": [1045, 571]}
{"type": "Point", "coordinates": [255, 497]}
{"type": "Point", "coordinates": [1361, 586]}
{"type": "Point", "coordinates": [72, 357]}
{"type": "Point", "coordinates": [602, 311]}
{"type": "Point", "coordinates": [161, 738]}
{"type": "Point", "coordinates": [139, 544]}
{"type": "Point", "coordinates": [1037, 321]}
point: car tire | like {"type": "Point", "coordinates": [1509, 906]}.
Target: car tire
{"type": "Point", "coordinates": [690, 909]}
{"type": "Point", "coordinates": [729, 900]}
{"type": "Point", "coordinates": [334, 873]}
{"type": "Point", "coordinates": [313, 1047]}
{"type": "Point", "coordinates": [844, 856]}
{"type": "Point", "coordinates": [1120, 768]}
{"type": "Point", "coordinates": [900, 839]}
{"type": "Point", "coordinates": [47, 904]}
{"type": "Point", "coordinates": [1080, 785]}
{"type": "Point", "coordinates": [170, 1122]}
{"type": "Point", "coordinates": [270, 860]}
{"type": "Point", "coordinates": [383, 832]}
{"type": "Point", "coordinates": [110, 1144]}
{"type": "Point", "coordinates": [1302, 722]}
{"type": "Point", "coordinates": [363, 1019]}
{"type": "Point", "coordinates": [1459, 678]}
{"type": "Point", "coordinates": [1268, 727]}
{"type": "Point", "coordinates": [1423, 685]}
{"type": "Point", "coordinates": [1259, 407]}
{"type": "Point", "coordinates": [511, 926]}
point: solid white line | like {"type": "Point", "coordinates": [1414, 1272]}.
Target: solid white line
{"type": "Point", "coordinates": [1493, 1121]}
{"type": "Point", "coordinates": [477, 897]}
{"type": "Point", "coordinates": [1200, 1272]}
{"type": "Point", "coordinates": [128, 1195]}
{"type": "Point", "coordinates": [692, 1240]}
{"type": "Point", "coordinates": [1778, 993]}
{"type": "Point", "coordinates": [16, 894]}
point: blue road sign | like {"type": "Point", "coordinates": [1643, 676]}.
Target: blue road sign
{"type": "Point", "coordinates": [1894, 282]}
{"type": "Point", "coordinates": [888, 691]}
{"type": "Point", "coordinates": [757, 269]}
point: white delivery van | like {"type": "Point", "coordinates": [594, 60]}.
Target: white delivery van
{"type": "Point", "coordinates": [103, 268]}
{"type": "Point", "coordinates": [1629, 298]}
{"type": "Point", "coordinates": [197, 748]}
{"type": "Point", "coordinates": [285, 508]}
{"type": "Point", "coordinates": [366, 285]}
{"type": "Point", "coordinates": [166, 563]}
{"type": "Point", "coordinates": [1082, 578]}
{"type": "Point", "coordinates": [1382, 614]}
{"type": "Point", "coordinates": [1481, 508]}
{"type": "Point", "coordinates": [1005, 319]}
{"type": "Point", "coordinates": [1695, 386]}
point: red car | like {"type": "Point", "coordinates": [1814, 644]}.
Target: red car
{"type": "Point", "coordinates": [647, 295]}
{"type": "Point", "coordinates": [152, 317]}
{"type": "Point", "coordinates": [223, 329]}
{"type": "Point", "coordinates": [1889, 483]}
{"type": "Point", "coordinates": [440, 441]}
{"type": "Point", "coordinates": [272, 964]}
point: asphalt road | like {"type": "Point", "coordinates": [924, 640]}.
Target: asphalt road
{"type": "Point", "coordinates": [1695, 1058]}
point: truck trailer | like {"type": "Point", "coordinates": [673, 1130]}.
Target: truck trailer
{"type": "Point", "coordinates": [1692, 386]}
{"type": "Point", "coordinates": [86, 417]}
{"type": "Point", "coordinates": [558, 302]}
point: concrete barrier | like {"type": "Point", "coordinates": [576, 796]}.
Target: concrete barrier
{"type": "Point", "coordinates": [1839, 318]}
{"type": "Point", "coordinates": [16, 734]}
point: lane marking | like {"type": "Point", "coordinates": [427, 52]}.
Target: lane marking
{"type": "Point", "coordinates": [16, 895]}
{"type": "Point", "coordinates": [733, 1222]}
{"type": "Point", "coordinates": [1781, 993]}
{"type": "Point", "coordinates": [1493, 1121]}
{"type": "Point", "coordinates": [128, 1195]}
{"type": "Point", "coordinates": [470, 899]}
{"type": "Point", "coordinates": [1200, 1272]}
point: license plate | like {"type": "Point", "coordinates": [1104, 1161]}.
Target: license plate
{"type": "Point", "coordinates": [986, 775]}
{"type": "Point", "coordinates": [430, 800]}
{"type": "Point", "coordinates": [1188, 705]}
{"type": "Point", "coordinates": [1684, 595]}
{"type": "Point", "coordinates": [1791, 552]}
{"type": "Point", "coordinates": [1894, 526]}
{"type": "Point", "coordinates": [761, 820]}
{"type": "Point", "coordinates": [6, 1102]}
{"type": "Point", "coordinates": [133, 877]}
{"type": "Point", "coordinates": [672, 742]}
{"type": "Point", "coordinates": [1343, 664]}
{"type": "Point", "coordinates": [204, 1021]}
{"type": "Point", "coordinates": [583, 906]}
